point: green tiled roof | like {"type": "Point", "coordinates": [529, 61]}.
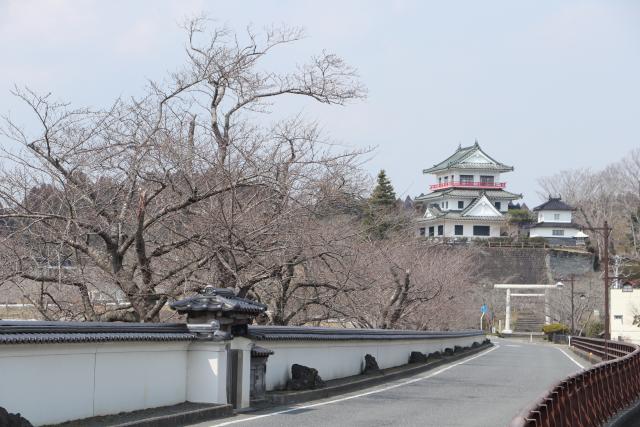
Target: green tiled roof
{"type": "Point", "coordinates": [458, 217]}
{"type": "Point", "coordinates": [459, 192]}
{"type": "Point", "coordinates": [456, 161]}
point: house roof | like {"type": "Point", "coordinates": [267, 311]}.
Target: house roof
{"type": "Point", "coordinates": [554, 204]}
{"type": "Point", "coordinates": [457, 160]}
{"type": "Point", "coordinates": [459, 192]}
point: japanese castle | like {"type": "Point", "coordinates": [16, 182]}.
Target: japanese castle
{"type": "Point", "coordinates": [468, 198]}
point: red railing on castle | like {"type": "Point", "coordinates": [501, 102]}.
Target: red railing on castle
{"type": "Point", "coordinates": [591, 397]}
{"type": "Point", "coordinates": [472, 184]}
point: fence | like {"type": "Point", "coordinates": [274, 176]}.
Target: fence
{"type": "Point", "coordinates": [54, 372]}
{"type": "Point", "coordinates": [590, 397]}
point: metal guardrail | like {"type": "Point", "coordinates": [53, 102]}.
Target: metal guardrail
{"type": "Point", "coordinates": [590, 397]}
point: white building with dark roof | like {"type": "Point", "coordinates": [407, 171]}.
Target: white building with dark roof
{"type": "Point", "coordinates": [468, 198]}
{"type": "Point", "coordinates": [555, 223]}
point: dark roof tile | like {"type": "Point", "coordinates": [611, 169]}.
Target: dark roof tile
{"type": "Point", "coordinates": [554, 204]}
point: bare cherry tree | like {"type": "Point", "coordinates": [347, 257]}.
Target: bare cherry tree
{"type": "Point", "coordinates": [141, 201]}
{"type": "Point", "coordinates": [403, 282]}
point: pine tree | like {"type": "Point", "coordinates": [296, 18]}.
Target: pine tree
{"type": "Point", "coordinates": [383, 194]}
{"type": "Point", "coordinates": [380, 214]}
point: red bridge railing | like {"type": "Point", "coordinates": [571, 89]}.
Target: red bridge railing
{"type": "Point", "coordinates": [589, 398]}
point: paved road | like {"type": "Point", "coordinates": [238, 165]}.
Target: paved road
{"type": "Point", "coordinates": [485, 390]}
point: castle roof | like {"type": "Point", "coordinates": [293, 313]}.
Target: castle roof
{"type": "Point", "coordinates": [554, 204]}
{"type": "Point", "coordinates": [472, 157]}
{"type": "Point", "coordinates": [461, 192]}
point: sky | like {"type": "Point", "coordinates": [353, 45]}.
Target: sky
{"type": "Point", "coordinates": [542, 85]}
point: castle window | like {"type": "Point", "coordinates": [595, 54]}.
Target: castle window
{"type": "Point", "coordinates": [440, 230]}
{"type": "Point", "coordinates": [486, 179]}
{"type": "Point", "coordinates": [458, 231]}
{"type": "Point", "coordinates": [557, 232]}
{"type": "Point", "coordinates": [466, 178]}
{"type": "Point", "coordinates": [460, 204]}
{"type": "Point", "coordinates": [481, 230]}
{"type": "Point", "coordinates": [497, 204]}
{"type": "Point", "coordinates": [431, 230]}
{"type": "Point", "coordinates": [556, 217]}
{"type": "Point", "coordinates": [422, 231]}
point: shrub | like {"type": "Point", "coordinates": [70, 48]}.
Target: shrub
{"type": "Point", "coordinates": [555, 328]}
{"type": "Point", "coordinates": [594, 328]}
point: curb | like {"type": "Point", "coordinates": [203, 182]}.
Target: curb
{"type": "Point", "coordinates": [179, 418]}
{"type": "Point", "coordinates": [592, 359]}
{"type": "Point", "coordinates": [361, 381]}
{"type": "Point", "coordinates": [184, 418]}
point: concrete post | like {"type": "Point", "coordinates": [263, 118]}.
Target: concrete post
{"type": "Point", "coordinates": [207, 372]}
{"type": "Point", "coordinates": [243, 373]}
{"type": "Point", "coordinates": [507, 316]}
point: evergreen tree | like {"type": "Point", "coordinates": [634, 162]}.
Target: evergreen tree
{"type": "Point", "coordinates": [383, 194]}
{"type": "Point", "coordinates": [380, 218]}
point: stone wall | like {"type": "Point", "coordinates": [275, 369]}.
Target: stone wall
{"type": "Point", "coordinates": [531, 265]}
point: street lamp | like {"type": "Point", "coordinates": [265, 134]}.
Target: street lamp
{"type": "Point", "coordinates": [561, 285]}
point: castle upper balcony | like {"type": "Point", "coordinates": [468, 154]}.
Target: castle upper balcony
{"type": "Point", "coordinates": [469, 184]}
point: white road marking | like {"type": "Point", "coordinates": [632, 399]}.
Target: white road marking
{"type": "Point", "coordinates": [512, 345]}
{"type": "Point", "coordinates": [314, 405]}
{"type": "Point", "coordinates": [570, 358]}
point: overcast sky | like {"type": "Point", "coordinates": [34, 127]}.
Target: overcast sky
{"type": "Point", "coordinates": [543, 85]}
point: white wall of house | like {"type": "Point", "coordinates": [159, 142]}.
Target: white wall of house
{"type": "Point", "coordinates": [337, 359]}
{"type": "Point", "coordinates": [554, 216]}
{"type": "Point", "coordinates": [53, 383]}
{"type": "Point", "coordinates": [624, 305]}
{"type": "Point", "coordinates": [549, 232]}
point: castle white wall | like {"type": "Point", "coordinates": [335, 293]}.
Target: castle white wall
{"type": "Point", "coordinates": [449, 228]}
{"type": "Point", "coordinates": [439, 177]}
{"type": "Point", "coordinates": [550, 216]}
{"type": "Point", "coordinates": [548, 232]}
{"type": "Point", "coordinates": [53, 383]}
{"type": "Point", "coordinates": [337, 359]}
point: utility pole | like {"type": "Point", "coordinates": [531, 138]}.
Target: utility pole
{"type": "Point", "coordinates": [606, 231]}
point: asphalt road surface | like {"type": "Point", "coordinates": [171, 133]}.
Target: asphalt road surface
{"type": "Point", "coordinates": [484, 390]}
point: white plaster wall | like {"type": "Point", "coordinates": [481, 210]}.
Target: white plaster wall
{"type": "Point", "coordinates": [206, 372]}
{"type": "Point", "coordinates": [549, 216]}
{"type": "Point", "coordinates": [337, 359]}
{"type": "Point", "coordinates": [52, 383]}
{"type": "Point", "coordinates": [548, 232]}
{"type": "Point", "coordinates": [476, 175]}
{"type": "Point", "coordinates": [467, 229]}
{"type": "Point", "coordinates": [625, 304]}
{"type": "Point", "coordinates": [136, 376]}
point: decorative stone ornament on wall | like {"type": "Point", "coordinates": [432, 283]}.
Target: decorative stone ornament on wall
{"type": "Point", "coordinates": [217, 313]}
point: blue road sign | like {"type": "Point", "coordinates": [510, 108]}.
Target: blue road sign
{"type": "Point", "coordinates": [484, 308]}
